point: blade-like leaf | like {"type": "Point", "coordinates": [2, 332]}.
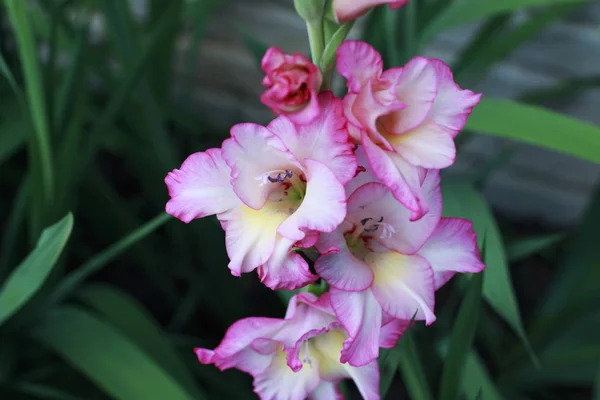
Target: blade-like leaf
{"type": "Point", "coordinates": [524, 248]}
{"type": "Point", "coordinates": [463, 201]}
{"type": "Point", "coordinates": [92, 265]}
{"type": "Point", "coordinates": [465, 11]}
{"type": "Point", "coordinates": [30, 275]}
{"type": "Point", "coordinates": [116, 364]}
{"type": "Point", "coordinates": [23, 29]}
{"type": "Point", "coordinates": [328, 57]}
{"type": "Point", "coordinates": [504, 44]}
{"type": "Point", "coordinates": [461, 340]}
{"type": "Point", "coordinates": [412, 371]}
{"type": "Point", "coordinates": [477, 381]}
{"type": "Point", "coordinates": [534, 125]}
{"type": "Point", "coordinates": [124, 313]}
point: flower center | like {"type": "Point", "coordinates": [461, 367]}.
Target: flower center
{"type": "Point", "coordinates": [370, 227]}
{"type": "Point", "coordinates": [306, 359]}
{"type": "Point", "coordinates": [286, 188]}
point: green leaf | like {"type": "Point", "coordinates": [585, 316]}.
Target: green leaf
{"type": "Point", "coordinates": [534, 125]}
{"type": "Point", "coordinates": [496, 46]}
{"type": "Point", "coordinates": [75, 278]}
{"type": "Point", "coordinates": [44, 392]}
{"type": "Point", "coordinates": [328, 57]}
{"type": "Point", "coordinates": [13, 136]}
{"type": "Point", "coordinates": [574, 271]}
{"type": "Point", "coordinates": [30, 275]}
{"type": "Point", "coordinates": [476, 380]}
{"type": "Point", "coordinates": [463, 201]}
{"type": "Point", "coordinates": [465, 11]}
{"type": "Point", "coordinates": [124, 313]}
{"type": "Point", "coordinates": [23, 29]}
{"type": "Point", "coordinates": [411, 369]}
{"type": "Point", "coordinates": [116, 364]}
{"type": "Point", "coordinates": [524, 248]}
{"type": "Point", "coordinates": [461, 339]}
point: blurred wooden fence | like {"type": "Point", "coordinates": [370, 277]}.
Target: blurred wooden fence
{"type": "Point", "coordinates": [536, 184]}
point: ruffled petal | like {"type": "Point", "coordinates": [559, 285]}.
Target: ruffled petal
{"type": "Point", "coordinates": [391, 332]}
{"type": "Point", "coordinates": [324, 139]}
{"type": "Point", "coordinates": [250, 237]}
{"type": "Point", "coordinates": [200, 187]}
{"type": "Point", "coordinates": [285, 269]}
{"type": "Point", "coordinates": [366, 380]}
{"type": "Point", "coordinates": [403, 285]}
{"type": "Point", "coordinates": [415, 87]}
{"type": "Point", "coordinates": [374, 200]}
{"type": "Point", "coordinates": [452, 248]}
{"type": "Point", "coordinates": [348, 10]}
{"type": "Point", "coordinates": [327, 391]}
{"type": "Point", "coordinates": [323, 207]}
{"type": "Point", "coordinates": [427, 146]}
{"type": "Point", "coordinates": [359, 63]}
{"type": "Point", "coordinates": [402, 178]}
{"type": "Point", "coordinates": [360, 314]}
{"type": "Point", "coordinates": [364, 174]}
{"type": "Point", "coordinates": [338, 267]}
{"type": "Point", "coordinates": [279, 382]}
{"type": "Point", "coordinates": [251, 152]}
{"type": "Point", "coordinates": [235, 350]}
{"type": "Point", "coordinates": [375, 99]}
{"type": "Point", "coordinates": [452, 105]}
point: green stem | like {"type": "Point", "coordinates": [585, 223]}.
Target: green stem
{"type": "Point", "coordinates": [316, 39]}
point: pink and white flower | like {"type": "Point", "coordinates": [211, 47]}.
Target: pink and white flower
{"type": "Point", "coordinates": [348, 10]}
{"type": "Point", "coordinates": [273, 188]}
{"type": "Point", "coordinates": [406, 118]}
{"type": "Point", "coordinates": [293, 83]}
{"type": "Point", "coordinates": [383, 267]}
{"type": "Point", "coordinates": [293, 358]}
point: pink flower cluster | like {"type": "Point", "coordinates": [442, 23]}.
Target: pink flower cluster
{"type": "Point", "coordinates": [356, 179]}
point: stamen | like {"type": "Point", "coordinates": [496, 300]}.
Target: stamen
{"type": "Point", "coordinates": [369, 226]}
{"type": "Point", "coordinates": [281, 176]}
{"type": "Point", "coordinates": [306, 358]}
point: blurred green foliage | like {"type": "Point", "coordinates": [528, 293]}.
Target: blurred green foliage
{"type": "Point", "coordinates": [118, 313]}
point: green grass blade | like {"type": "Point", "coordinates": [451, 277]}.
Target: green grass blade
{"type": "Point", "coordinates": [463, 201]}
{"type": "Point", "coordinates": [563, 90]}
{"type": "Point", "coordinates": [124, 313]}
{"type": "Point", "coordinates": [30, 275]}
{"type": "Point", "coordinates": [461, 339]}
{"type": "Point", "coordinates": [23, 29]}
{"type": "Point", "coordinates": [411, 370]}
{"type": "Point", "coordinates": [492, 28]}
{"type": "Point", "coordinates": [10, 78]}
{"type": "Point", "coordinates": [576, 268]}
{"type": "Point", "coordinates": [523, 248]}
{"type": "Point", "coordinates": [500, 46]}
{"type": "Point", "coordinates": [476, 380]}
{"type": "Point", "coordinates": [161, 65]}
{"type": "Point", "coordinates": [106, 356]}
{"type": "Point", "coordinates": [463, 12]}
{"type": "Point", "coordinates": [75, 278]}
{"type": "Point", "coordinates": [537, 126]}
{"type": "Point", "coordinates": [13, 136]}
{"type": "Point", "coordinates": [44, 392]}
{"type": "Point", "coordinates": [12, 228]}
